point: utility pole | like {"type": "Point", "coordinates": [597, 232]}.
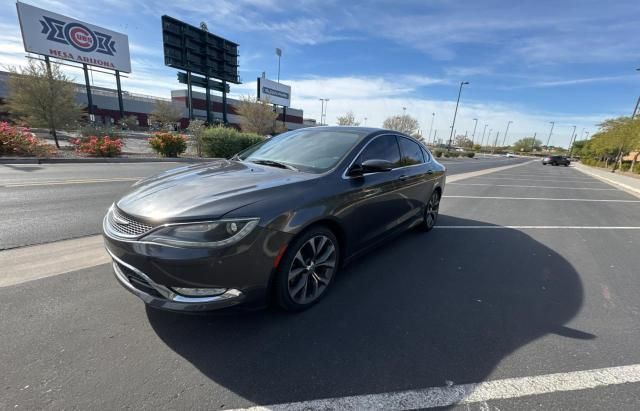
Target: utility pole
{"type": "Point", "coordinates": [455, 113]}
{"type": "Point", "coordinates": [495, 142]}
{"type": "Point", "coordinates": [553, 123]}
{"type": "Point", "coordinates": [365, 121]}
{"type": "Point", "coordinates": [505, 133]}
{"type": "Point", "coordinates": [473, 135]}
{"type": "Point", "coordinates": [533, 141]}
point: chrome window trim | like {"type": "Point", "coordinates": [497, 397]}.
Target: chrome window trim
{"type": "Point", "coordinates": [344, 173]}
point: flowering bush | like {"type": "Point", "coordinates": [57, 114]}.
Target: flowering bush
{"type": "Point", "coordinates": [18, 141]}
{"type": "Point", "coordinates": [98, 146]}
{"type": "Point", "coordinates": [168, 144]}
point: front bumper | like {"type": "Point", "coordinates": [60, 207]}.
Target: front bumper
{"type": "Point", "coordinates": [152, 271]}
{"type": "Point", "coordinates": [159, 296]}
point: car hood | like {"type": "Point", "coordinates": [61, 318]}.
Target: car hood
{"type": "Point", "coordinates": [203, 191]}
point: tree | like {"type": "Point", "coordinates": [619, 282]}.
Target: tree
{"type": "Point", "coordinates": [129, 122]}
{"type": "Point", "coordinates": [43, 98]}
{"type": "Point", "coordinates": [348, 119]}
{"type": "Point", "coordinates": [462, 141]}
{"type": "Point", "coordinates": [257, 116]}
{"type": "Point", "coordinates": [197, 128]}
{"type": "Point", "coordinates": [527, 144]}
{"type": "Point", "coordinates": [402, 123]}
{"type": "Point", "coordinates": [165, 115]}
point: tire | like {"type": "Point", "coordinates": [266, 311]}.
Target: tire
{"type": "Point", "coordinates": [431, 211]}
{"type": "Point", "coordinates": [307, 269]}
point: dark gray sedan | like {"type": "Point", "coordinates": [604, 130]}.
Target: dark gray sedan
{"type": "Point", "coordinates": [273, 223]}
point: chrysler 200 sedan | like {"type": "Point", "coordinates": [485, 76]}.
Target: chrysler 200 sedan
{"type": "Point", "coordinates": [274, 223]}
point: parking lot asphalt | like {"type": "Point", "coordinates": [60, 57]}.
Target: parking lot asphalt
{"type": "Point", "coordinates": [531, 274]}
{"type": "Point", "coordinates": [52, 202]}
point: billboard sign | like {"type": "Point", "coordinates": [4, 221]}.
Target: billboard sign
{"type": "Point", "coordinates": [55, 35]}
{"type": "Point", "coordinates": [193, 49]}
{"type": "Point", "coordinates": [275, 93]}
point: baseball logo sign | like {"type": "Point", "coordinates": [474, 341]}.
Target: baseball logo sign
{"type": "Point", "coordinates": [77, 35]}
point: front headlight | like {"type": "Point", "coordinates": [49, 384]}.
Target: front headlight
{"type": "Point", "coordinates": [213, 234]}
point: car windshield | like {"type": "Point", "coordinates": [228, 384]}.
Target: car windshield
{"type": "Point", "coordinates": [310, 150]}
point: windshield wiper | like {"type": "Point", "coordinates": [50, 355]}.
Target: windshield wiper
{"type": "Point", "coordinates": [273, 163]}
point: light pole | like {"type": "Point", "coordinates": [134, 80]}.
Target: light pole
{"type": "Point", "coordinates": [553, 123]}
{"type": "Point", "coordinates": [365, 121]}
{"type": "Point", "coordinates": [473, 135]}
{"type": "Point", "coordinates": [279, 54]}
{"type": "Point", "coordinates": [483, 131]}
{"type": "Point", "coordinates": [505, 133]}
{"type": "Point", "coordinates": [455, 113]}
{"type": "Point", "coordinates": [433, 116]}
{"type": "Point", "coordinates": [322, 109]}
{"type": "Point", "coordinates": [326, 104]}
{"type": "Point", "coordinates": [573, 133]}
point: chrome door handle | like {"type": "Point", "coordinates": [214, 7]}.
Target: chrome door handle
{"type": "Point", "coordinates": [403, 177]}
{"type": "Point", "coordinates": [430, 172]}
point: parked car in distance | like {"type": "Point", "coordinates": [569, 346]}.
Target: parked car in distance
{"type": "Point", "coordinates": [556, 161]}
{"type": "Point", "coordinates": [275, 222]}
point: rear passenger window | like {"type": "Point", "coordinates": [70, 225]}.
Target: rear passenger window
{"type": "Point", "coordinates": [410, 152]}
{"type": "Point", "coordinates": [382, 148]}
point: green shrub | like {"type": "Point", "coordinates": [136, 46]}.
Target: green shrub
{"type": "Point", "coordinates": [91, 130]}
{"type": "Point", "coordinates": [168, 144]}
{"type": "Point", "coordinates": [625, 166]}
{"type": "Point", "coordinates": [224, 142]}
{"type": "Point", "coordinates": [469, 154]}
{"type": "Point", "coordinates": [437, 153]}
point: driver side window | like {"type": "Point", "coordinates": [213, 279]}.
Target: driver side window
{"type": "Point", "coordinates": [382, 148]}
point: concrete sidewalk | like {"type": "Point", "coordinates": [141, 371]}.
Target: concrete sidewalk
{"type": "Point", "coordinates": [626, 183]}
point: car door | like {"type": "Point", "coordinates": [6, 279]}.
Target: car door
{"type": "Point", "coordinates": [416, 176]}
{"type": "Point", "coordinates": [375, 201]}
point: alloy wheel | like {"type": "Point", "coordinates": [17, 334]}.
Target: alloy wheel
{"type": "Point", "coordinates": [312, 269]}
{"type": "Point", "coordinates": [431, 211]}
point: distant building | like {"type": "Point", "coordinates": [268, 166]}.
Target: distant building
{"type": "Point", "coordinates": [106, 110]}
{"type": "Point", "coordinates": [309, 122]}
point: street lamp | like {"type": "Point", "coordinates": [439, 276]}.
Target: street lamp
{"type": "Point", "coordinates": [473, 135]}
{"type": "Point", "coordinates": [433, 116]}
{"type": "Point", "coordinates": [505, 133]}
{"type": "Point", "coordinates": [323, 109]}
{"type": "Point", "coordinates": [365, 121]}
{"type": "Point", "coordinates": [455, 113]}
{"type": "Point", "coordinates": [573, 133]}
{"type": "Point", "coordinates": [483, 131]}
{"type": "Point", "coordinates": [553, 123]}
{"type": "Point", "coordinates": [279, 54]}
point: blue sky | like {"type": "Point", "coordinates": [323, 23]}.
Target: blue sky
{"type": "Point", "coordinates": [531, 62]}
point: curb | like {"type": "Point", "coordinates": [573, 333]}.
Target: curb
{"type": "Point", "coordinates": [45, 160]}
{"type": "Point", "coordinates": [625, 187]}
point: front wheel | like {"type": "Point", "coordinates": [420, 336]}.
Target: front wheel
{"type": "Point", "coordinates": [307, 269]}
{"type": "Point", "coordinates": [431, 211]}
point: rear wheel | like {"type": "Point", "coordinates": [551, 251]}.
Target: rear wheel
{"type": "Point", "coordinates": [307, 269]}
{"type": "Point", "coordinates": [431, 211]}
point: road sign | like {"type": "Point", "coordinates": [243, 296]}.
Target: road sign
{"type": "Point", "coordinates": [272, 92]}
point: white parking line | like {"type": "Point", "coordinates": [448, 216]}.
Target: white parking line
{"type": "Point", "coordinates": [544, 199]}
{"type": "Point", "coordinates": [471, 393]}
{"type": "Point", "coordinates": [533, 227]}
{"type": "Point", "coordinates": [555, 180]}
{"type": "Point", "coordinates": [519, 186]}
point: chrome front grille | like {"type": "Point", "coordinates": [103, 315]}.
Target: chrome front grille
{"type": "Point", "coordinates": [124, 226]}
